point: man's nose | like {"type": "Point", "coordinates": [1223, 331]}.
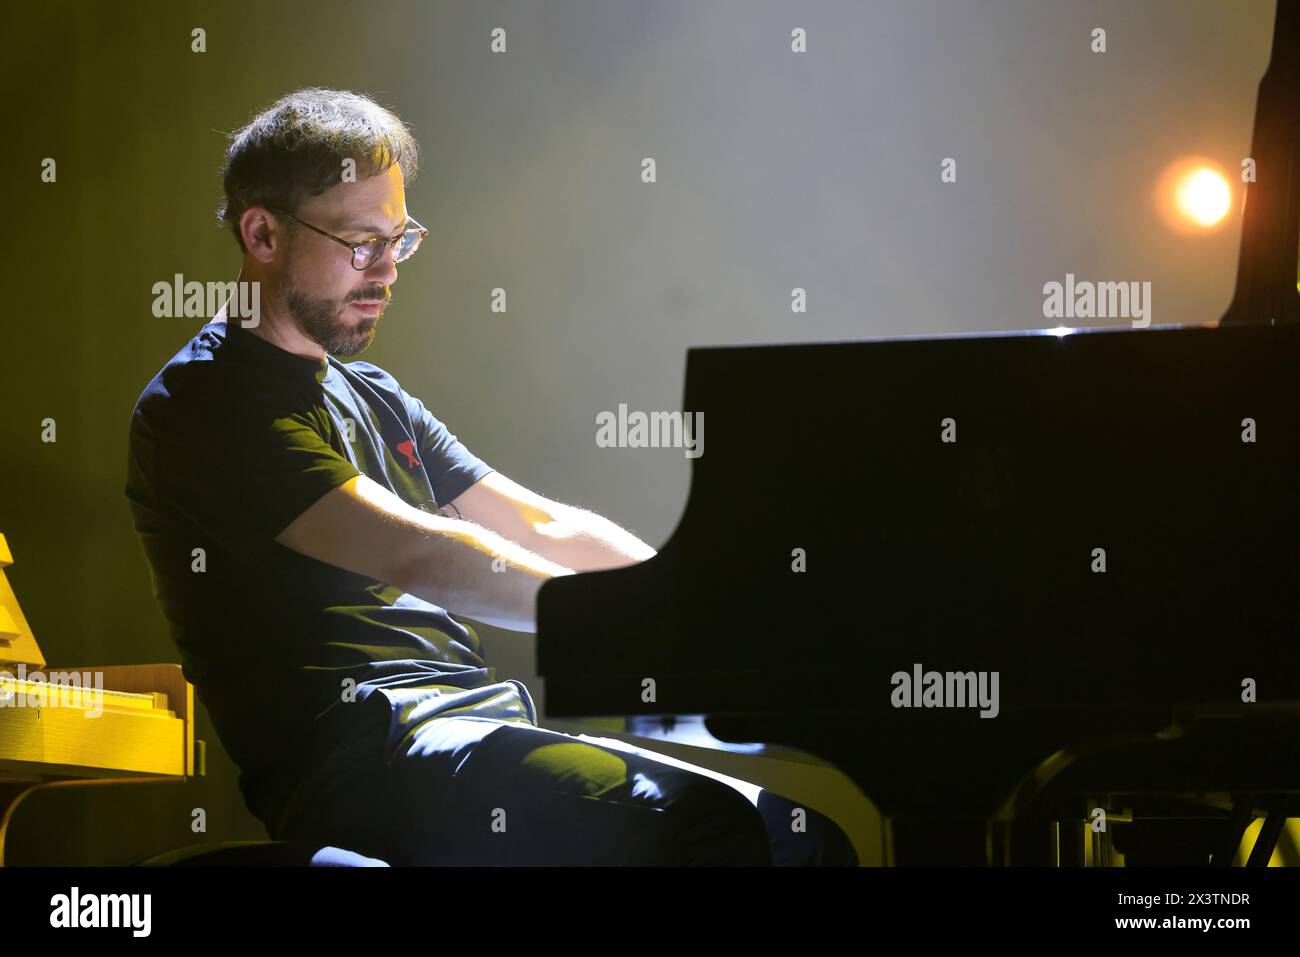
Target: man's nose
{"type": "Point", "coordinates": [383, 270]}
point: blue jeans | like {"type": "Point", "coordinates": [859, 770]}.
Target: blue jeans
{"type": "Point", "coordinates": [465, 790]}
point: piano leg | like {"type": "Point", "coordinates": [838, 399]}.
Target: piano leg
{"type": "Point", "coordinates": [1037, 841]}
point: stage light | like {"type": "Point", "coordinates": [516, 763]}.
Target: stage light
{"type": "Point", "coordinates": [1194, 196]}
{"type": "Point", "coordinates": [1203, 197]}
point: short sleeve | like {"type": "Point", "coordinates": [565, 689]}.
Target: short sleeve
{"type": "Point", "coordinates": [451, 466]}
{"type": "Point", "coordinates": [240, 472]}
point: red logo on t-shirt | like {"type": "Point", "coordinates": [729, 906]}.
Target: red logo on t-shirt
{"type": "Point", "coordinates": [407, 448]}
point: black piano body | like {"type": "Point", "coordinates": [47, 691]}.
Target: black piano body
{"type": "Point", "coordinates": [1107, 520]}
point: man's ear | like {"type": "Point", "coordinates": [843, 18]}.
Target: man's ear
{"type": "Point", "coordinates": [261, 233]}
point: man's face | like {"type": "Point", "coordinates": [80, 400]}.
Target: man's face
{"type": "Point", "coordinates": [332, 303]}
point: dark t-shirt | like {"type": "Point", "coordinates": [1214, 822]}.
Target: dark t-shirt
{"type": "Point", "coordinates": [230, 442]}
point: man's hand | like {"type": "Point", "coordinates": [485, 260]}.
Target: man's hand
{"type": "Point", "coordinates": [572, 537]}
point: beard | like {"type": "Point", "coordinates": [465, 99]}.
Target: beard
{"type": "Point", "coordinates": [322, 320]}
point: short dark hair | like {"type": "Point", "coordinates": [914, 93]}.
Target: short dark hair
{"type": "Point", "coordinates": [296, 148]}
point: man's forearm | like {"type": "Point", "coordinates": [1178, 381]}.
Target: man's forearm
{"type": "Point", "coordinates": [473, 571]}
{"type": "Point", "coordinates": [585, 541]}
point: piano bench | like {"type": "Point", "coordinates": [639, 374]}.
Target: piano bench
{"type": "Point", "coordinates": [260, 854]}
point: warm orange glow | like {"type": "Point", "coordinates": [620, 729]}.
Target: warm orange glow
{"type": "Point", "coordinates": [1194, 196]}
{"type": "Point", "coordinates": [1203, 197]}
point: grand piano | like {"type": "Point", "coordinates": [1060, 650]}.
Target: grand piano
{"type": "Point", "coordinates": [1107, 520]}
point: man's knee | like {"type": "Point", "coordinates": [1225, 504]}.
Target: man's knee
{"type": "Point", "coordinates": [834, 847]}
{"type": "Point", "coordinates": [802, 836]}
{"type": "Point", "coordinates": [712, 824]}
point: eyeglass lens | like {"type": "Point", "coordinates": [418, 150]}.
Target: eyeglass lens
{"type": "Point", "coordinates": [372, 250]}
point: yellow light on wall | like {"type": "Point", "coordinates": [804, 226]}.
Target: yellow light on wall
{"type": "Point", "coordinates": [1194, 196]}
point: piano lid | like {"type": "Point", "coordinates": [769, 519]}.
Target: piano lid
{"type": "Point", "coordinates": [1269, 261]}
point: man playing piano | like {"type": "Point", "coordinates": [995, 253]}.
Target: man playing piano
{"type": "Point", "coordinates": [307, 522]}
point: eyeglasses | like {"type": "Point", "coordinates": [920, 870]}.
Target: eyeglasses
{"type": "Point", "coordinates": [366, 254]}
